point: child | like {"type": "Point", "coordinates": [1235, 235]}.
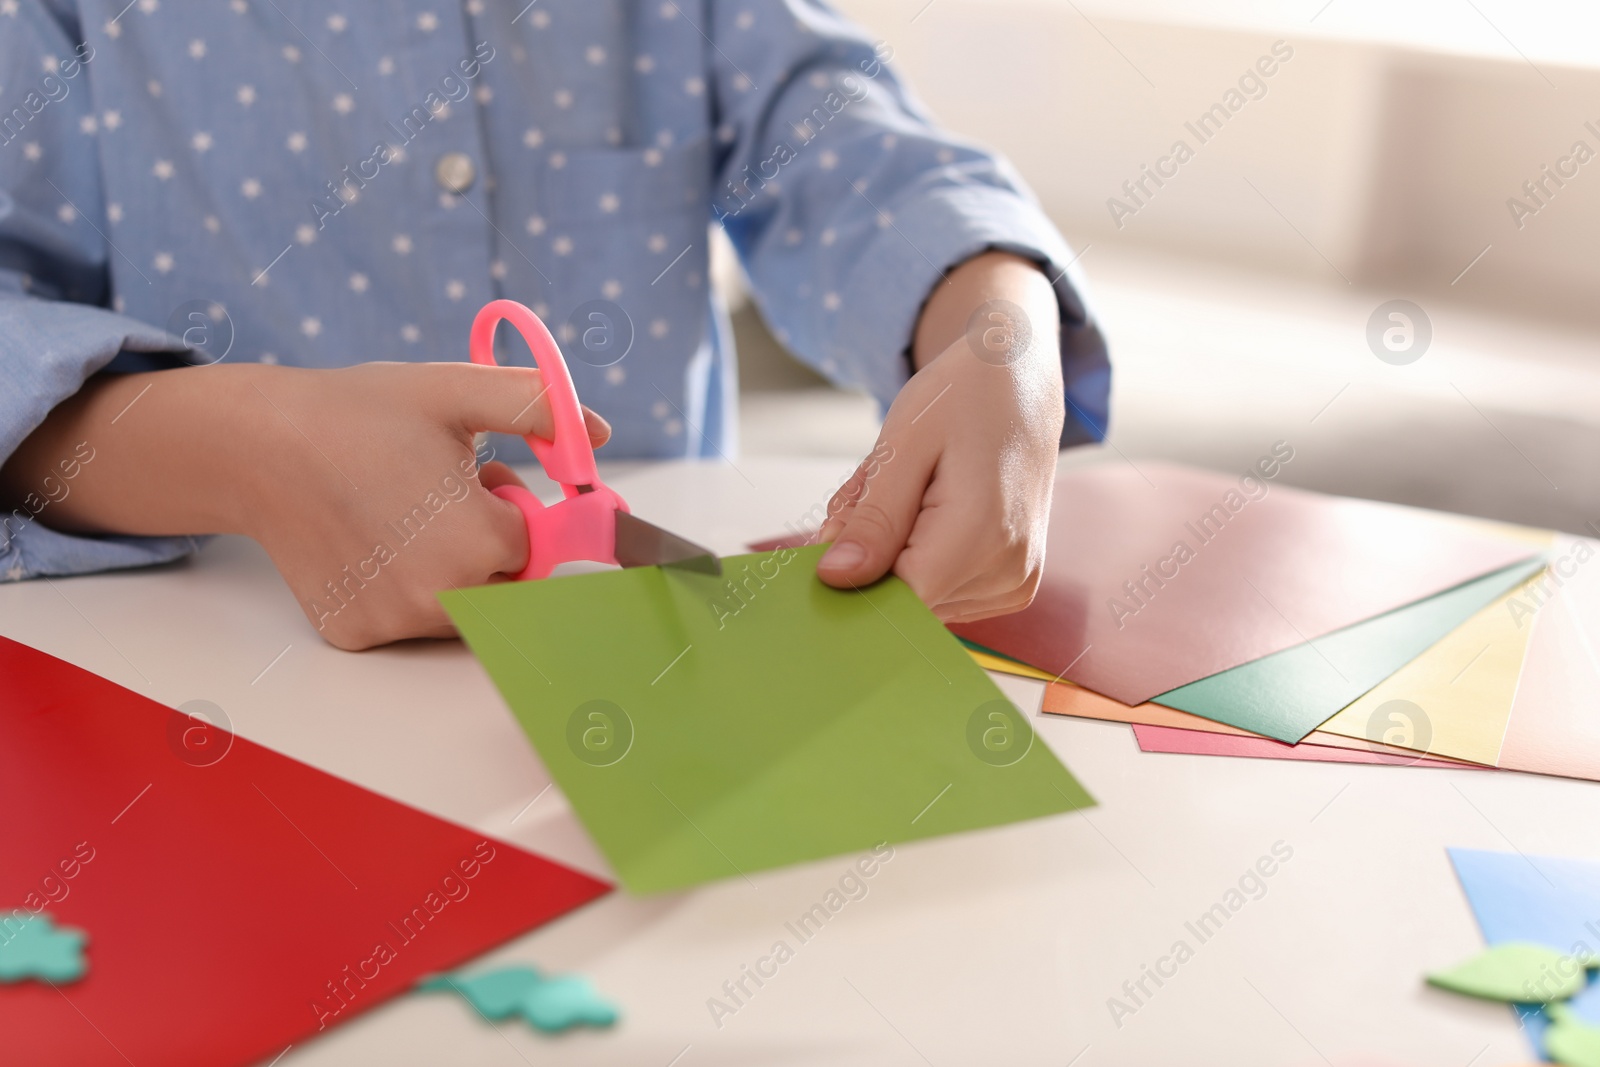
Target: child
{"type": "Point", "coordinates": [305, 188]}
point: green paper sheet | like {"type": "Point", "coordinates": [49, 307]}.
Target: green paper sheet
{"type": "Point", "coordinates": [1290, 693]}
{"type": "Point", "coordinates": [706, 728]}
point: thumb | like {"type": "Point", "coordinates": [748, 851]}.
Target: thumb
{"type": "Point", "coordinates": [510, 554]}
{"type": "Point", "coordinates": [493, 474]}
{"type": "Point", "coordinates": [505, 400]}
{"type": "Point", "coordinates": [871, 529]}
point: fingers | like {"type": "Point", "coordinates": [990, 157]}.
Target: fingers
{"type": "Point", "coordinates": [398, 599]}
{"type": "Point", "coordinates": [494, 474]}
{"type": "Point", "coordinates": [880, 509]}
{"type": "Point", "coordinates": [971, 610]}
{"type": "Point", "coordinates": [359, 640]}
{"type": "Point", "coordinates": [599, 429]}
{"type": "Point", "coordinates": [506, 551]}
{"type": "Point", "coordinates": [503, 400]}
{"type": "Point", "coordinates": [960, 550]}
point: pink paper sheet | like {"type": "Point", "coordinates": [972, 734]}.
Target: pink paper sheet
{"type": "Point", "coordinates": [1555, 718]}
{"type": "Point", "coordinates": [1200, 743]}
{"type": "Point", "coordinates": [1153, 584]}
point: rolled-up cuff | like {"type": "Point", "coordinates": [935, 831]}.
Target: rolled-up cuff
{"type": "Point", "coordinates": [48, 349]}
{"type": "Point", "coordinates": [29, 549]}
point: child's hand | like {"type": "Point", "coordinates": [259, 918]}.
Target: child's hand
{"type": "Point", "coordinates": [361, 483]}
{"type": "Point", "coordinates": [955, 499]}
{"type": "Point", "coordinates": [378, 502]}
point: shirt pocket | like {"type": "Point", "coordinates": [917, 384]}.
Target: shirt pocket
{"type": "Point", "coordinates": [614, 184]}
{"type": "Point", "coordinates": [622, 247]}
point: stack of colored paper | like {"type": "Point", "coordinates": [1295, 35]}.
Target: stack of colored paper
{"type": "Point", "coordinates": [1228, 615]}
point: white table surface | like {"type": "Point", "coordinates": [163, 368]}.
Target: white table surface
{"type": "Point", "coordinates": [995, 947]}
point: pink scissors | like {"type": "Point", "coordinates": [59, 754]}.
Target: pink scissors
{"type": "Point", "coordinates": [592, 522]}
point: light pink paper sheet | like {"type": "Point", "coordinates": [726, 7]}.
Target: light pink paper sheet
{"type": "Point", "coordinates": [1555, 719]}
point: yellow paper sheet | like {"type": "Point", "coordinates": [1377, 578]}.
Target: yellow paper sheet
{"type": "Point", "coordinates": [1008, 666]}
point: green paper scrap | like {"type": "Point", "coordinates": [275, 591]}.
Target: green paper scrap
{"type": "Point", "coordinates": [496, 994]}
{"type": "Point", "coordinates": [1288, 694]}
{"type": "Point", "coordinates": [565, 1001]}
{"type": "Point", "coordinates": [1517, 972]}
{"type": "Point", "coordinates": [32, 946]}
{"type": "Point", "coordinates": [1570, 1041]}
{"type": "Point", "coordinates": [548, 1004]}
{"type": "Point", "coordinates": [710, 727]}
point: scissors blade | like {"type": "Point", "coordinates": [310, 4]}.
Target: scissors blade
{"type": "Point", "coordinates": [643, 544]}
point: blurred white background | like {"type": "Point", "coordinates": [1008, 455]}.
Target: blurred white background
{"type": "Point", "coordinates": [1376, 163]}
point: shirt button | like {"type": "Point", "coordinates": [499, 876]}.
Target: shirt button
{"type": "Point", "coordinates": [455, 172]}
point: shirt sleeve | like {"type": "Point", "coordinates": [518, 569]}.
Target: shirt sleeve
{"type": "Point", "coordinates": [847, 205]}
{"type": "Point", "coordinates": [54, 331]}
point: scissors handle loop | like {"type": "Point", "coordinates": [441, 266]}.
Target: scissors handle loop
{"type": "Point", "coordinates": [582, 526]}
{"type": "Point", "coordinates": [568, 457]}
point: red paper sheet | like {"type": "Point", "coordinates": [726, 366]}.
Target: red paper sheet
{"type": "Point", "coordinates": [1200, 743]}
{"type": "Point", "coordinates": [232, 907]}
{"type": "Point", "coordinates": [1125, 611]}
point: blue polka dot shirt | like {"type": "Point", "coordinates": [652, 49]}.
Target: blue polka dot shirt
{"type": "Point", "coordinates": [323, 183]}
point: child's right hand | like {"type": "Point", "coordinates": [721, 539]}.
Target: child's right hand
{"type": "Point", "coordinates": [361, 483]}
{"type": "Point", "coordinates": [384, 504]}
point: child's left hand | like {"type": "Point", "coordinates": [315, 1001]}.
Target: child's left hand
{"type": "Point", "coordinates": [955, 499]}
